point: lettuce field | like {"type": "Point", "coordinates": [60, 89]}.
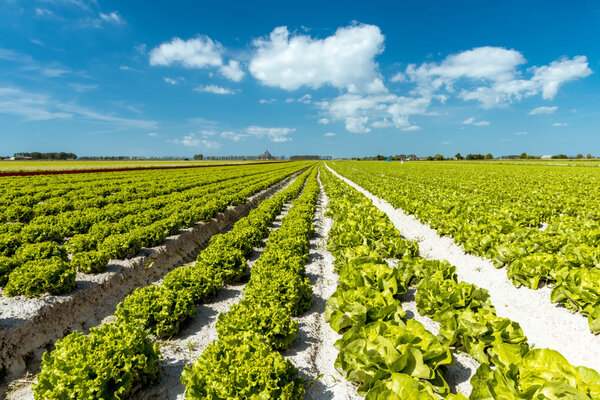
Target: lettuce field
{"type": "Point", "coordinates": [292, 280]}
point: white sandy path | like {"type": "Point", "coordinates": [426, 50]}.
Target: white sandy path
{"type": "Point", "coordinates": [313, 351]}
{"type": "Point", "coordinates": [185, 347]}
{"type": "Point", "coordinates": [546, 325]}
{"type": "Point", "coordinates": [191, 342]}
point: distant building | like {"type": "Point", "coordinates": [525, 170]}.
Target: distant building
{"type": "Point", "coordinates": [266, 156]}
{"type": "Point", "coordinates": [546, 157]}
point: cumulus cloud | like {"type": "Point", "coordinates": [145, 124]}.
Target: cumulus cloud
{"type": "Point", "coordinates": [543, 110]}
{"type": "Point", "coordinates": [551, 77]}
{"type": "Point", "coordinates": [112, 17]}
{"type": "Point", "coordinates": [192, 140]}
{"type": "Point", "coordinates": [471, 121]}
{"type": "Point", "coordinates": [412, 128]}
{"type": "Point", "coordinates": [274, 134]}
{"type": "Point", "coordinates": [214, 89]}
{"type": "Point", "coordinates": [199, 52]}
{"type": "Point", "coordinates": [232, 71]}
{"type": "Point", "coordinates": [560, 124]}
{"type": "Point", "coordinates": [345, 60]}
{"type": "Point", "coordinates": [153, 134]}
{"type": "Point", "coordinates": [363, 112]}
{"type": "Point", "coordinates": [323, 121]}
{"type": "Point", "coordinates": [491, 76]}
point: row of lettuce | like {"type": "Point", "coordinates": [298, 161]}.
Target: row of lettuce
{"type": "Point", "coordinates": [116, 359]}
{"type": "Point", "coordinates": [245, 362]}
{"type": "Point", "coordinates": [42, 255]}
{"type": "Point", "coordinates": [541, 223]}
{"type": "Point", "coordinates": [395, 358]}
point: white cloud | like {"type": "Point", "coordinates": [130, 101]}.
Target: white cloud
{"type": "Point", "coordinates": [277, 134]}
{"type": "Point", "coordinates": [113, 17]}
{"type": "Point", "coordinates": [153, 134]}
{"type": "Point", "coordinates": [551, 77]}
{"type": "Point", "coordinates": [345, 60]}
{"type": "Point", "coordinates": [471, 121]}
{"type": "Point", "coordinates": [43, 12]}
{"type": "Point", "coordinates": [491, 63]}
{"type": "Point", "coordinates": [214, 89]}
{"type": "Point", "coordinates": [82, 87]}
{"type": "Point", "coordinates": [199, 52]}
{"type": "Point", "coordinates": [412, 128]}
{"type": "Point", "coordinates": [361, 112]}
{"type": "Point", "coordinates": [491, 76]}
{"type": "Point", "coordinates": [323, 121]}
{"type": "Point", "coordinates": [232, 71]}
{"type": "Point", "coordinates": [543, 110]}
{"type": "Point", "coordinates": [520, 133]}
{"type": "Point", "coordinates": [329, 134]}
{"type": "Point", "coordinates": [171, 81]}
{"type": "Point", "coordinates": [265, 101]}
{"type": "Point", "coordinates": [273, 134]}
{"type": "Point", "coordinates": [41, 107]}
{"type": "Point", "coordinates": [192, 140]}
{"type": "Point", "coordinates": [399, 77]}
{"type": "Point", "coordinates": [560, 124]}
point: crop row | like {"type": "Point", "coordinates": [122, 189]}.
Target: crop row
{"type": "Point", "coordinates": [541, 223]}
{"type": "Point", "coordinates": [510, 368]}
{"type": "Point", "coordinates": [245, 362]}
{"type": "Point", "coordinates": [103, 364]}
{"type": "Point", "coordinates": [41, 256]}
{"type": "Point", "coordinates": [389, 356]}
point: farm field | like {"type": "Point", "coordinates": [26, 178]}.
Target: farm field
{"type": "Point", "coordinates": [28, 166]}
{"type": "Point", "coordinates": [326, 287]}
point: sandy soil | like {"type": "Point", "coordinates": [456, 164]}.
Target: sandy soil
{"type": "Point", "coordinates": [313, 352]}
{"type": "Point", "coordinates": [93, 311]}
{"type": "Point", "coordinates": [545, 324]}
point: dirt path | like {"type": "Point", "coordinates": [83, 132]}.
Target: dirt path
{"type": "Point", "coordinates": [546, 325]}
{"type": "Point", "coordinates": [313, 352]}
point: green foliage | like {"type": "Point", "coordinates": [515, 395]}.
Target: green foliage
{"type": "Point", "coordinates": [199, 281]}
{"type": "Point", "coordinates": [35, 278]}
{"type": "Point", "coordinates": [40, 251]}
{"type": "Point", "coordinates": [374, 351]}
{"type": "Point", "coordinates": [109, 363]}
{"type": "Point", "coordinates": [90, 262]}
{"type": "Point", "coordinates": [123, 245]}
{"type": "Point", "coordinates": [7, 264]}
{"type": "Point", "coordinates": [272, 322]}
{"type": "Point", "coordinates": [156, 308]}
{"type": "Point", "coordinates": [242, 367]}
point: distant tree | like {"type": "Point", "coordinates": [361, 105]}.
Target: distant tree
{"type": "Point", "coordinates": [380, 157]}
{"type": "Point", "coordinates": [579, 156]}
{"type": "Point", "coordinates": [560, 157]}
{"type": "Point", "coordinates": [475, 157]}
{"type": "Point", "coordinates": [523, 155]}
{"type": "Point", "coordinates": [413, 156]}
{"type": "Point", "coordinates": [430, 158]}
{"type": "Point", "coordinates": [198, 156]}
{"type": "Point", "coordinates": [458, 156]}
{"type": "Point", "coordinates": [438, 157]}
{"type": "Point", "coordinates": [489, 156]}
{"type": "Point", "coordinates": [588, 156]}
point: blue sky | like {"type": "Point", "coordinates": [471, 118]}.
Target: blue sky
{"type": "Point", "coordinates": [333, 78]}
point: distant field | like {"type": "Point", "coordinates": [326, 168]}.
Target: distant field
{"type": "Point", "coordinates": [23, 166]}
